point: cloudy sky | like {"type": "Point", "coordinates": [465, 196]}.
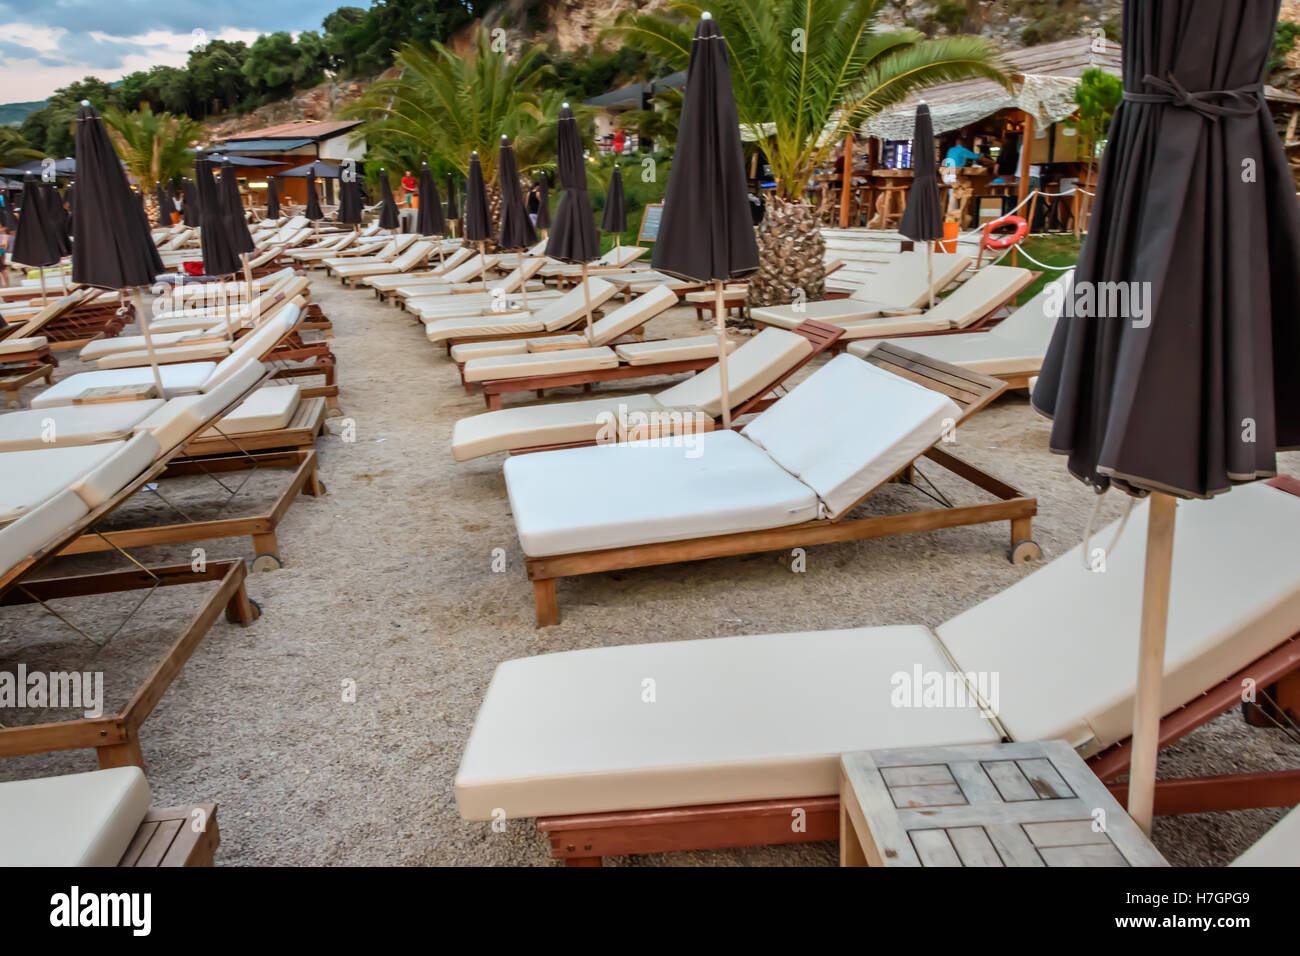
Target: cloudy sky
{"type": "Point", "coordinates": [45, 44]}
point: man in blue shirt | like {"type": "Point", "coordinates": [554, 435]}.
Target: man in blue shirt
{"type": "Point", "coordinates": [959, 155]}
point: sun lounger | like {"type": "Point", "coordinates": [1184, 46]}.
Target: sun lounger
{"type": "Point", "coordinates": [1012, 350]}
{"type": "Point", "coordinates": [970, 307]}
{"type": "Point", "coordinates": [559, 737]}
{"type": "Point", "coordinates": [1280, 846]}
{"type": "Point", "coordinates": [100, 818]}
{"type": "Point", "coordinates": [394, 248]}
{"type": "Point", "coordinates": [754, 370]}
{"type": "Point", "coordinates": [327, 247]}
{"type": "Point", "coordinates": [616, 260]}
{"type": "Point", "coordinates": [901, 286]}
{"type": "Point", "coordinates": [415, 255]}
{"type": "Point", "coordinates": [387, 285]}
{"type": "Point", "coordinates": [789, 478]}
{"type": "Point", "coordinates": [452, 284]}
{"type": "Point", "coordinates": [74, 319]}
{"type": "Point", "coordinates": [471, 269]}
{"type": "Point", "coordinates": [556, 316]}
{"type": "Point", "coordinates": [474, 304]}
{"type": "Point", "coordinates": [22, 362]}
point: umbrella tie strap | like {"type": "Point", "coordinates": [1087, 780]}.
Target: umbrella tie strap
{"type": "Point", "coordinates": [1241, 102]}
{"type": "Point", "coordinates": [1085, 554]}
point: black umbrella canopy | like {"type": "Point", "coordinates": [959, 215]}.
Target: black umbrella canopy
{"type": "Point", "coordinates": [707, 232]}
{"type": "Point", "coordinates": [190, 208]}
{"type": "Point", "coordinates": [272, 198]}
{"type": "Point", "coordinates": [34, 245]}
{"type": "Point", "coordinates": [315, 170]}
{"type": "Point", "coordinates": [543, 202]}
{"type": "Point", "coordinates": [614, 218]}
{"type": "Point", "coordinates": [430, 221]}
{"type": "Point", "coordinates": [923, 216]}
{"type": "Point", "coordinates": [114, 249]}
{"type": "Point", "coordinates": [220, 257]}
{"type": "Point", "coordinates": [517, 231]}
{"type": "Point", "coordinates": [573, 234]}
{"type": "Point", "coordinates": [350, 202]}
{"type": "Point", "coordinates": [312, 211]}
{"type": "Point", "coordinates": [164, 206]}
{"type": "Point", "coordinates": [56, 219]}
{"type": "Point", "coordinates": [478, 226]}
{"type": "Point", "coordinates": [241, 239]}
{"type": "Point", "coordinates": [388, 215]}
{"type": "Point", "coordinates": [451, 197]}
{"type": "Point", "coordinates": [1194, 389]}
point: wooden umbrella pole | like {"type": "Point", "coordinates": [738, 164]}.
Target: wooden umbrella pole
{"type": "Point", "coordinates": [586, 295]}
{"type": "Point", "coordinates": [148, 340]}
{"type": "Point", "coordinates": [1151, 658]}
{"type": "Point", "coordinates": [45, 296]}
{"type": "Point", "coordinates": [929, 268]}
{"type": "Point", "coordinates": [482, 261]}
{"type": "Point", "coordinates": [523, 277]}
{"type": "Point", "coordinates": [720, 313]}
{"type": "Point", "coordinates": [225, 305]}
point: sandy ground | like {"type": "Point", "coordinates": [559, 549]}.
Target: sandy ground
{"type": "Point", "coordinates": [388, 584]}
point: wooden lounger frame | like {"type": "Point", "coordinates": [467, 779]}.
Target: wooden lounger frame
{"type": "Point", "coordinates": [582, 839]}
{"type": "Point", "coordinates": [167, 838]}
{"type": "Point", "coordinates": [969, 390]}
{"type": "Point", "coordinates": [301, 432]}
{"type": "Point", "coordinates": [115, 737]}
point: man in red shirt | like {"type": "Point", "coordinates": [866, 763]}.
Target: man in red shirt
{"type": "Point", "coordinates": [408, 186]}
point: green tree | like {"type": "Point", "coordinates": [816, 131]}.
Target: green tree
{"type": "Point", "coordinates": [277, 65]}
{"type": "Point", "coordinates": [154, 146]}
{"type": "Point", "coordinates": [14, 150]}
{"type": "Point", "coordinates": [52, 130]}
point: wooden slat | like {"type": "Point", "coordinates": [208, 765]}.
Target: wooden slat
{"type": "Point", "coordinates": [974, 847]}
{"type": "Point", "coordinates": [1011, 783]}
{"type": "Point", "coordinates": [161, 840]}
{"type": "Point", "coordinates": [138, 842]}
{"type": "Point", "coordinates": [934, 848]}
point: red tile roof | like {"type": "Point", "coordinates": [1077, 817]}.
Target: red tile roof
{"type": "Point", "coordinates": [302, 129]}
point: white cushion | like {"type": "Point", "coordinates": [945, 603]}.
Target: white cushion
{"type": "Point", "coordinates": [100, 348]}
{"type": "Point", "coordinates": [72, 424]}
{"type": "Point", "coordinates": [30, 344]}
{"type": "Point", "coordinates": [631, 315]}
{"type": "Point", "coordinates": [528, 425]}
{"type": "Point", "coordinates": [849, 427]}
{"type": "Point", "coordinates": [738, 718]}
{"type": "Point", "coordinates": [38, 527]}
{"type": "Point", "coordinates": [181, 418]}
{"type": "Point", "coordinates": [904, 281]}
{"type": "Point", "coordinates": [559, 362]}
{"type": "Point", "coordinates": [81, 819]}
{"type": "Point", "coordinates": [181, 352]}
{"type": "Point", "coordinates": [98, 485]}
{"type": "Point", "coordinates": [471, 350]}
{"type": "Point", "coordinates": [609, 496]}
{"type": "Point", "coordinates": [1280, 846]}
{"type": "Point", "coordinates": [751, 369]}
{"type": "Point", "coordinates": [252, 347]}
{"type": "Point", "coordinates": [1068, 637]}
{"type": "Point", "coordinates": [892, 325]}
{"type": "Point", "coordinates": [571, 306]}
{"type": "Point", "coordinates": [28, 478]}
{"type": "Point", "coordinates": [267, 409]}
{"type": "Point", "coordinates": [519, 323]}
{"type": "Point", "coordinates": [827, 310]}
{"type": "Point", "coordinates": [186, 378]}
{"type": "Point", "coordinates": [671, 350]}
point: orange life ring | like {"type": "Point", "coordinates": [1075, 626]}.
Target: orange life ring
{"type": "Point", "coordinates": [1002, 242]}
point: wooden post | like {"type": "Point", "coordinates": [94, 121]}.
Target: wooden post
{"type": "Point", "coordinates": [846, 181]}
{"type": "Point", "coordinates": [720, 314]}
{"type": "Point", "coordinates": [148, 341]}
{"type": "Point", "coordinates": [586, 295]}
{"type": "Point", "coordinates": [1026, 145]}
{"type": "Point", "coordinates": [1151, 658]}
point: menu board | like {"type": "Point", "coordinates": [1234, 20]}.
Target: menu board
{"type": "Point", "coordinates": [650, 219]}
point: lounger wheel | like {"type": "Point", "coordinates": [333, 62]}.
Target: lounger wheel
{"type": "Point", "coordinates": [257, 608]}
{"type": "Point", "coordinates": [1024, 551]}
{"type": "Point", "coordinates": [267, 562]}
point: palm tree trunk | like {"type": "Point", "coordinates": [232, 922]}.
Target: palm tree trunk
{"type": "Point", "coordinates": [791, 253]}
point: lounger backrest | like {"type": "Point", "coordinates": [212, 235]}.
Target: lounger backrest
{"type": "Point", "coordinates": [402, 242]}
{"type": "Point", "coordinates": [633, 314]}
{"type": "Point", "coordinates": [751, 369]}
{"type": "Point", "coordinates": [622, 256]}
{"type": "Point", "coordinates": [1029, 328]}
{"type": "Point", "coordinates": [1065, 637]}
{"type": "Point", "coordinates": [254, 345]}
{"type": "Point", "coordinates": [904, 281]}
{"type": "Point", "coordinates": [408, 259]}
{"type": "Point", "coordinates": [459, 257]}
{"type": "Point", "coordinates": [982, 293]}
{"type": "Point", "coordinates": [52, 311]}
{"type": "Point", "coordinates": [129, 459]}
{"type": "Point", "coordinates": [185, 417]}
{"type": "Point", "coordinates": [1280, 846]}
{"type": "Point", "coordinates": [521, 273]}
{"type": "Point", "coordinates": [849, 427]}
{"type": "Point", "coordinates": [540, 248]}
{"type": "Point", "coordinates": [469, 270]}
{"type": "Point", "coordinates": [567, 308]}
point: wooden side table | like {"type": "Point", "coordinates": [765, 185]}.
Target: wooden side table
{"type": "Point", "coordinates": [1018, 804]}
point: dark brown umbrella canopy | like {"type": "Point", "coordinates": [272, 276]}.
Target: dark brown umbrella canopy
{"type": "Point", "coordinates": [312, 211]}
{"type": "Point", "coordinates": [56, 220]}
{"type": "Point", "coordinates": [1195, 204]}
{"type": "Point", "coordinates": [517, 231]}
{"type": "Point", "coordinates": [543, 202]}
{"type": "Point", "coordinates": [219, 255]}
{"type": "Point", "coordinates": [923, 215]}
{"type": "Point", "coordinates": [451, 197]}
{"type": "Point", "coordinates": [272, 198]}
{"type": "Point", "coordinates": [614, 218]}
{"type": "Point", "coordinates": [388, 215]}
{"type": "Point", "coordinates": [241, 240]}
{"type": "Point", "coordinates": [164, 206]}
{"type": "Point", "coordinates": [477, 221]}
{"type": "Point", "coordinates": [573, 233]}
{"type": "Point", "coordinates": [34, 244]}
{"type": "Point", "coordinates": [191, 211]}
{"type": "Point", "coordinates": [114, 249]}
{"type": "Point", "coordinates": [430, 221]}
{"type": "Point", "coordinates": [350, 201]}
{"type": "Point", "coordinates": [707, 231]}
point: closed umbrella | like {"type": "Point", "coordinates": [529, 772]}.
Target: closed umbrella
{"type": "Point", "coordinates": [477, 223]}
{"type": "Point", "coordinates": [114, 249]}
{"type": "Point", "coordinates": [517, 231]}
{"type": "Point", "coordinates": [389, 218]}
{"type": "Point", "coordinates": [430, 220]}
{"type": "Point", "coordinates": [233, 211]}
{"type": "Point", "coordinates": [350, 201]}
{"type": "Point", "coordinates": [160, 197]}
{"type": "Point", "coordinates": [191, 211]}
{"type": "Point", "coordinates": [272, 198]}
{"type": "Point", "coordinates": [34, 243]}
{"type": "Point", "coordinates": [313, 211]}
{"type": "Point", "coordinates": [543, 202]}
{"type": "Point", "coordinates": [1194, 390]}
{"type": "Point", "coordinates": [922, 216]}
{"type": "Point", "coordinates": [614, 218]}
{"type": "Point", "coordinates": [56, 217]}
{"type": "Point", "coordinates": [707, 232]}
{"type": "Point", "coordinates": [573, 236]}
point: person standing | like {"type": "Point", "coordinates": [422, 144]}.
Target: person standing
{"type": "Point", "coordinates": [409, 185]}
{"type": "Point", "coordinates": [6, 239]}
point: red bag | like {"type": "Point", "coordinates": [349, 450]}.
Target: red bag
{"type": "Point", "coordinates": [193, 268]}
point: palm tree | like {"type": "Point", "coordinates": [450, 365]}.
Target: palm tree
{"type": "Point", "coordinates": [451, 105]}
{"type": "Point", "coordinates": [806, 74]}
{"type": "Point", "coordinates": [154, 146]}
{"type": "Point", "coordinates": [14, 150]}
